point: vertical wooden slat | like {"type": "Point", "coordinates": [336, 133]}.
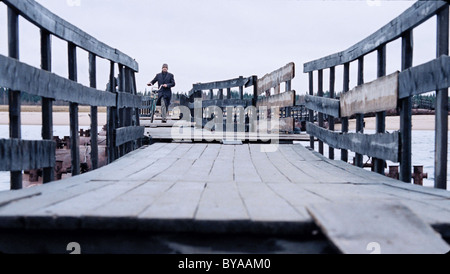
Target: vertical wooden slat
{"type": "Point", "coordinates": [344, 120]}
{"type": "Point", "coordinates": [228, 93]}
{"type": "Point", "coordinates": [320, 115]}
{"type": "Point", "coordinates": [220, 94]}
{"type": "Point", "coordinates": [288, 86]}
{"type": "Point", "coordinates": [112, 111]}
{"type": "Point", "coordinates": [137, 113]}
{"type": "Point", "coordinates": [128, 117]}
{"type": "Point", "coordinates": [311, 112]}
{"type": "Point", "coordinates": [360, 117]}
{"type": "Point", "coordinates": [211, 94]}
{"type": "Point", "coordinates": [405, 112]}
{"type": "Point", "coordinates": [47, 103]}
{"type": "Point", "coordinates": [379, 164]}
{"type": "Point", "coordinates": [331, 118]}
{"type": "Point", "coordinates": [14, 96]}
{"type": "Point", "coordinates": [442, 106]}
{"type": "Point", "coordinates": [73, 109]}
{"type": "Point", "coordinates": [255, 89]}
{"type": "Point", "coordinates": [120, 110]}
{"type": "Point", "coordinates": [94, 112]}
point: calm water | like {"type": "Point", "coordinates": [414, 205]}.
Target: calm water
{"type": "Point", "coordinates": [422, 148]}
{"type": "Point", "coordinates": [422, 154]}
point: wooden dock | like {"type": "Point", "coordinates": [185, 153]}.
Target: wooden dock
{"type": "Point", "coordinates": [189, 198]}
{"type": "Point", "coordinates": [163, 191]}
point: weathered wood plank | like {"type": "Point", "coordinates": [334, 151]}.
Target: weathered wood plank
{"type": "Point", "coordinates": [285, 99]}
{"type": "Point", "coordinates": [267, 172]}
{"type": "Point", "coordinates": [127, 100]}
{"type": "Point", "coordinates": [133, 163]}
{"type": "Point", "coordinates": [44, 19]}
{"type": "Point", "coordinates": [163, 164]}
{"type": "Point", "coordinates": [181, 166]}
{"type": "Point", "coordinates": [376, 96]}
{"type": "Point", "coordinates": [127, 134]}
{"type": "Point", "coordinates": [233, 83]}
{"type": "Point", "coordinates": [23, 77]}
{"type": "Point", "coordinates": [291, 171]}
{"type": "Point", "coordinates": [223, 170]}
{"type": "Point", "coordinates": [275, 78]}
{"type": "Point", "coordinates": [392, 227]}
{"type": "Point", "coordinates": [297, 196]}
{"type": "Point", "coordinates": [221, 202]}
{"type": "Point", "coordinates": [411, 18]}
{"type": "Point", "coordinates": [48, 195]}
{"type": "Point", "coordinates": [318, 175]}
{"type": "Point", "coordinates": [224, 103]}
{"type": "Point", "coordinates": [431, 76]}
{"type": "Point", "coordinates": [382, 146]}
{"type": "Point", "coordinates": [379, 164]}
{"type": "Point", "coordinates": [406, 112]}
{"type": "Point", "coordinates": [263, 204]}
{"type": "Point", "coordinates": [18, 155]}
{"type": "Point", "coordinates": [14, 95]}
{"type": "Point", "coordinates": [324, 105]}
{"type": "Point", "coordinates": [168, 206]}
{"type": "Point", "coordinates": [132, 203]}
{"type": "Point", "coordinates": [202, 166]}
{"type": "Point", "coordinates": [47, 104]}
{"type": "Point", "coordinates": [244, 170]}
{"type": "Point", "coordinates": [442, 109]}
{"type": "Point", "coordinates": [84, 203]}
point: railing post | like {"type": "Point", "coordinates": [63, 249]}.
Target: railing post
{"type": "Point", "coordinates": [360, 117]}
{"type": "Point", "coordinates": [311, 112]}
{"type": "Point", "coordinates": [405, 112]}
{"type": "Point", "coordinates": [379, 164]}
{"type": "Point", "coordinates": [331, 118]}
{"type": "Point", "coordinates": [441, 146]}
{"type": "Point", "coordinates": [128, 146]}
{"type": "Point", "coordinates": [73, 109]}
{"type": "Point", "coordinates": [112, 112]}
{"type": "Point", "coordinates": [320, 115]}
{"type": "Point", "coordinates": [47, 103]}
{"type": "Point", "coordinates": [120, 110]}
{"type": "Point", "coordinates": [344, 120]}
{"type": "Point", "coordinates": [137, 121]}
{"type": "Point", "coordinates": [94, 112]}
{"type": "Point", "coordinates": [255, 89]}
{"type": "Point", "coordinates": [14, 96]}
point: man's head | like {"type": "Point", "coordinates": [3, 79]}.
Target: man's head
{"type": "Point", "coordinates": [165, 68]}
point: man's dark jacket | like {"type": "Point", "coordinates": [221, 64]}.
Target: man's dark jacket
{"type": "Point", "coordinates": [164, 93]}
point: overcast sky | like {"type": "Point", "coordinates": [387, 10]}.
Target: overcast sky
{"type": "Point", "coordinates": [211, 40]}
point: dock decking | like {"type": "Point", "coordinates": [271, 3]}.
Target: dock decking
{"type": "Point", "coordinates": [211, 191]}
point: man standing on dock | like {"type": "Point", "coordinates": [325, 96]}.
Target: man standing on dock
{"type": "Point", "coordinates": [166, 81]}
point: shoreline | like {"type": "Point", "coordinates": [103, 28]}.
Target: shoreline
{"type": "Point", "coordinates": [31, 116]}
{"type": "Point", "coordinates": [59, 118]}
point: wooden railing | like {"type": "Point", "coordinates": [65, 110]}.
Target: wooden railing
{"type": "Point", "coordinates": [215, 105]}
{"type": "Point", "coordinates": [262, 96]}
{"type": "Point", "coordinates": [123, 130]}
{"type": "Point", "coordinates": [385, 93]}
{"type": "Point", "coordinates": [282, 101]}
